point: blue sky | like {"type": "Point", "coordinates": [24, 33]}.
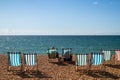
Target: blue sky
{"type": "Point", "coordinates": [59, 17]}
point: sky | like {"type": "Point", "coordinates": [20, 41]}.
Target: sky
{"type": "Point", "coordinates": [59, 17]}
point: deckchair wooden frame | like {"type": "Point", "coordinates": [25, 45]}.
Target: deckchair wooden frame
{"type": "Point", "coordinates": [111, 56]}
{"type": "Point", "coordinates": [88, 62]}
{"type": "Point", "coordinates": [116, 56]}
{"type": "Point", "coordinates": [25, 65]}
{"type": "Point", "coordinates": [53, 55]}
{"type": "Point", "coordinates": [70, 54]}
{"type": "Point", "coordinates": [9, 65]}
{"type": "Point", "coordinates": [102, 67]}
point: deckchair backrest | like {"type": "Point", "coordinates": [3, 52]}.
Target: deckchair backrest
{"type": "Point", "coordinates": [81, 59]}
{"type": "Point", "coordinates": [14, 58]}
{"type": "Point", "coordinates": [117, 55]}
{"type": "Point", "coordinates": [66, 52]}
{"type": "Point", "coordinates": [30, 58]}
{"type": "Point", "coordinates": [97, 58]}
{"type": "Point", "coordinates": [52, 53]}
{"type": "Point", "coordinates": [107, 55]}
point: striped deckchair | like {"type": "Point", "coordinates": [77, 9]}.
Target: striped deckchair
{"type": "Point", "coordinates": [67, 54]}
{"type": "Point", "coordinates": [52, 53]}
{"type": "Point", "coordinates": [97, 59]}
{"type": "Point", "coordinates": [82, 60]}
{"type": "Point", "coordinates": [107, 55]}
{"type": "Point", "coordinates": [14, 59]}
{"type": "Point", "coordinates": [117, 55]}
{"type": "Point", "coordinates": [30, 59]}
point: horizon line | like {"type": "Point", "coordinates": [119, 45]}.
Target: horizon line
{"type": "Point", "coordinates": [60, 35]}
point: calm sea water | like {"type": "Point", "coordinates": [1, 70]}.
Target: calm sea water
{"type": "Point", "coordinates": [40, 44]}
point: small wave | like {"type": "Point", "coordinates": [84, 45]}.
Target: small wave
{"type": "Point", "coordinates": [7, 47]}
{"type": "Point", "coordinates": [1, 46]}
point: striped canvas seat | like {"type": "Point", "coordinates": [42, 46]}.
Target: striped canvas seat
{"type": "Point", "coordinates": [97, 58]}
{"type": "Point", "coordinates": [67, 53]}
{"type": "Point", "coordinates": [107, 55]}
{"type": "Point", "coordinates": [81, 59]}
{"type": "Point", "coordinates": [30, 59]}
{"type": "Point", "coordinates": [14, 59]}
{"type": "Point", "coordinates": [117, 55]}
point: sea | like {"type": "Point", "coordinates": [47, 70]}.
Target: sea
{"type": "Point", "coordinates": [40, 43]}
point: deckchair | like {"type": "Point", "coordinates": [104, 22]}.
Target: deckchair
{"type": "Point", "coordinates": [97, 59]}
{"type": "Point", "coordinates": [67, 54]}
{"type": "Point", "coordinates": [30, 59]}
{"type": "Point", "coordinates": [82, 60]}
{"type": "Point", "coordinates": [107, 55]}
{"type": "Point", "coordinates": [52, 53]}
{"type": "Point", "coordinates": [117, 55]}
{"type": "Point", "coordinates": [14, 59]}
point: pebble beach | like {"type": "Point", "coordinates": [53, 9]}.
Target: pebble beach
{"type": "Point", "coordinates": [59, 71]}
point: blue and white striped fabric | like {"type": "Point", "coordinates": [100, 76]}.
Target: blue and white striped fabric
{"type": "Point", "coordinates": [14, 58]}
{"type": "Point", "coordinates": [50, 51]}
{"type": "Point", "coordinates": [30, 59]}
{"type": "Point", "coordinates": [107, 55]}
{"type": "Point", "coordinates": [81, 59]}
{"type": "Point", "coordinates": [97, 58]}
{"type": "Point", "coordinates": [66, 52]}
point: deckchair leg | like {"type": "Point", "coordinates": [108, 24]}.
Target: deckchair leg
{"type": "Point", "coordinates": [88, 69]}
{"type": "Point", "coordinates": [37, 67]}
{"type": "Point", "coordinates": [8, 68]}
{"type": "Point", "coordinates": [49, 60]}
{"type": "Point", "coordinates": [25, 69]}
{"type": "Point", "coordinates": [102, 68]}
{"type": "Point", "coordinates": [22, 64]}
{"type": "Point", "coordinates": [113, 59]}
{"type": "Point", "coordinates": [76, 68]}
{"type": "Point", "coordinates": [22, 68]}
